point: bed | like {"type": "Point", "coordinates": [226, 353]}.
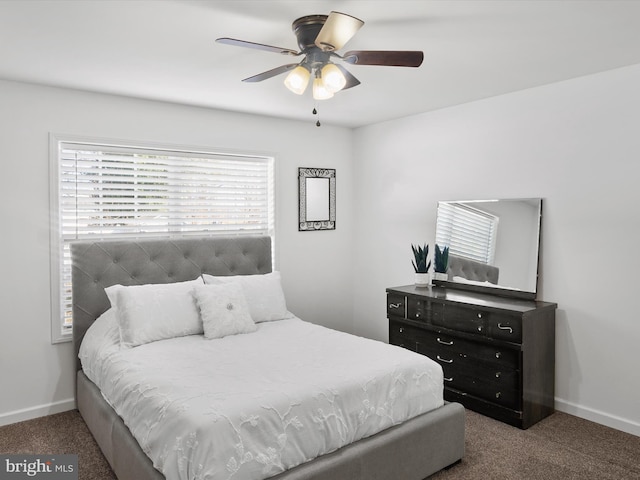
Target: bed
{"type": "Point", "coordinates": [411, 450]}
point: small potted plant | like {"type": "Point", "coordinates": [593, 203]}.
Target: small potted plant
{"type": "Point", "coordinates": [441, 263]}
{"type": "Point", "coordinates": [421, 264]}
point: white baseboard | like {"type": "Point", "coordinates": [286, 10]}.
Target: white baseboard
{"type": "Point", "coordinates": [597, 416]}
{"type": "Point", "coordinates": [37, 411]}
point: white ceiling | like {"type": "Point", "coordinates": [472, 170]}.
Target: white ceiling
{"type": "Point", "coordinates": [166, 50]}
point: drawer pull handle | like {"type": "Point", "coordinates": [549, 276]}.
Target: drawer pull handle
{"type": "Point", "coordinates": [394, 305]}
{"type": "Point", "coordinates": [505, 327]}
{"type": "Point", "coordinates": [498, 354]}
{"type": "Point", "coordinates": [443, 342]}
{"type": "Point", "coordinates": [479, 315]}
{"type": "Point", "coordinates": [498, 374]}
{"type": "Point", "coordinates": [498, 395]}
{"type": "Point", "coordinates": [480, 328]}
{"type": "Point", "coordinates": [448, 379]}
{"type": "Point", "coordinates": [443, 359]}
{"type": "Point", "coordinates": [417, 314]}
{"type": "Point", "coordinates": [401, 329]}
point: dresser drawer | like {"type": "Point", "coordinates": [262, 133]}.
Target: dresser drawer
{"type": "Point", "coordinates": [404, 336]}
{"type": "Point", "coordinates": [496, 325]}
{"type": "Point", "coordinates": [504, 327]}
{"type": "Point", "coordinates": [500, 378]}
{"type": "Point", "coordinates": [489, 391]}
{"type": "Point", "coordinates": [461, 319]}
{"type": "Point", "coordinates": [396, 305]}
{"type": "Point", "coordinates": [449, 347]}
{"type": "Point", "coordinates": [424, 310]}
{"type": "Point", "coordinates": [418, 309]}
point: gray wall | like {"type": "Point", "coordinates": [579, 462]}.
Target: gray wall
{"type": "Point", "coordinates": [36, 376]}
{"type": "Point", "coordinates": [574, 143]}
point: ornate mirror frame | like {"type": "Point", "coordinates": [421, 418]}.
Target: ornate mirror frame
{"type": "Point", "coordinates": [317, 199]}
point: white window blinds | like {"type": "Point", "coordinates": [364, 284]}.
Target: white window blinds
{"type": "Point", "coordinates": [469, 232]}
{"type": "Point", "coordinates": [110, 191]}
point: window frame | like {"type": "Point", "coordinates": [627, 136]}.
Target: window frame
{"type": "Point", "coordinates": [61, 333]}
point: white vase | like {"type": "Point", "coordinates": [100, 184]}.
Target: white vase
{"type": "Point", "coordinates": [440, 276]}
{"type": "Point", "coordinates": [423, 279]}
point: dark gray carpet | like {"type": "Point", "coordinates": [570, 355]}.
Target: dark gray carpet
{"type": "Point", "coordinates": [560, 447]}
{"type": "Point", "coordinates": [58, 434]}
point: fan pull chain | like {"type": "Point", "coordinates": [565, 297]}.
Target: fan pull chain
{"type": "Point", "coordinates": [315, 112]}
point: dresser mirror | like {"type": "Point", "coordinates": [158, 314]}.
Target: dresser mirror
{"type": "Point", "coordinates": [493, 245]}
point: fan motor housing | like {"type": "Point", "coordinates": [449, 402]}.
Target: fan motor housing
{"type": "Point", "coordinates": [306, 30]}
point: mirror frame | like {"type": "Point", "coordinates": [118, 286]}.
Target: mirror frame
{"type": "Point", "coordinates": [329, 223]}
{"type": "Point", "coordinates": [501, 290]}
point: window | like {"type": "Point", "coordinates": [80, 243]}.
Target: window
{"type": "Point", "coordinates": [469, 232]}
{"type": "Point", "coordinates": [105, 190]}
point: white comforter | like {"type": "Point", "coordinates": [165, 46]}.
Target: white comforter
{"type": "Point", "coordinates": [251, 406]}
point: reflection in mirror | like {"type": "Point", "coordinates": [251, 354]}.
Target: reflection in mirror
{"type": "Point", "coordinates": [493, 244]}
{"type": "Point", "coordinates": [317, 199]}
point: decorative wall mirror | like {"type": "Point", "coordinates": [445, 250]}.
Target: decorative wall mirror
{"type": "Point", "coordinates": [317, 199]}
{"type": "Point", "coordinates": [493, 245]}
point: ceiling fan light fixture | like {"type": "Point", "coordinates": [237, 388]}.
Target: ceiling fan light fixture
{"type": "Point", "coordinates": [319, 37]}
{"type": "Point", "coordinates": [298, 79]}
{"type": "Point", "coordinates": [333, 79]}
{"type": "Point", "coordinates": [320, 91]}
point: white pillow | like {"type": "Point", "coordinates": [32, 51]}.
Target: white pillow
{"type": "Point", "coordinates": [224, 310]}
{"type": "Point", "coordinates": [147, 313]}
{"type": "Point", "coordinates": [263, 293]}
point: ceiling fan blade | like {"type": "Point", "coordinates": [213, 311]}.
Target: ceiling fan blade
{"type": "Point", "coordinates": [258, 46]}
{"type": "Point", "coordinates": [351, 80]}
{"type": "Point", "coordinates": [337, 30]}
{"type": "Point", "coordinates": [390, 58]}
{"type": "Point", "coordinates": [270, 73]}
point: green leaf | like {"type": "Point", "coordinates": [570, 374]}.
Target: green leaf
{"type": "Point", "coordinates": [421, 255]}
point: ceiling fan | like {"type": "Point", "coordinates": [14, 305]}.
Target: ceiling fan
{"type": "Point", "coordinates": [319, 36]}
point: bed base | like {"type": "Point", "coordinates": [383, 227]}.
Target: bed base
{"type": "Point", "coordinates": [410, 451]}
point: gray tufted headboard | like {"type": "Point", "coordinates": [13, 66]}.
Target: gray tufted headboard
{"type": "Point", "coordinates": [472, 270]}
{"type": "Point", "coordinates": [100, 264]}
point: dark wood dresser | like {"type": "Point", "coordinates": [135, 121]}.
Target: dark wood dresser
{"type": "Point", "coordinates": [497, 353]}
